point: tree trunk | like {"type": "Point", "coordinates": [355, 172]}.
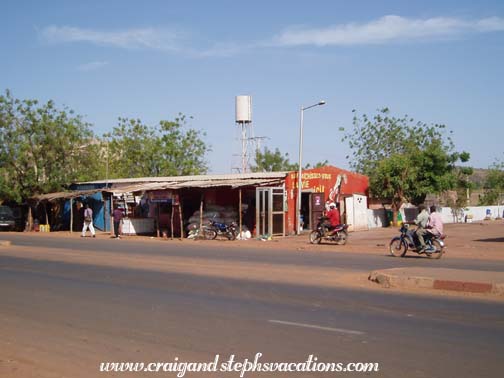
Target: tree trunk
{"type": "Point", "coordinates": [396, 206]}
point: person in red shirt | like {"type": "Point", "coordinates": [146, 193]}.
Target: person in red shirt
{"type": "Point", "coordinates": [333, 216]}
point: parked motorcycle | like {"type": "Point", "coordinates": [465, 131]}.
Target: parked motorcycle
{"type": "Point", "coordinates": [338, 235]}
{"type": "Point", "coordinates": [217, 228]}
{"type": "Point", "coordinates": [408, 241]}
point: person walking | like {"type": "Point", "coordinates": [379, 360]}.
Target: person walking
{"type": "Point", "coordinates": [88, 222]}
{"type": "Point", "coordinates": [117, 215]}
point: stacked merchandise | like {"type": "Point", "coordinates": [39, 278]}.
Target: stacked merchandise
{"type": "Point", "coordinates": [216, 213]}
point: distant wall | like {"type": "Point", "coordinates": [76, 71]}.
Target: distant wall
{"type": "Point", "coordinates": [378, 217]}
{"type": "Point", "coordinates": [480, 212]}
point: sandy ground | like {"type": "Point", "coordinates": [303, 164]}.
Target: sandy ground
{"type": "Point", "coordinates": [481, 240]}
{"type": "Point", "coordinates": [484, 241]}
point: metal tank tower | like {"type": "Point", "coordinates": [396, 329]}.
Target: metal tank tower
{"type": "Point", "coordinates": [249, 143]}
{"type": "Point", "coordinates": [243, 119]}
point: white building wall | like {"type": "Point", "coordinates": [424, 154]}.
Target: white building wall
{"type": "Point", "coordinates": [378, 217]}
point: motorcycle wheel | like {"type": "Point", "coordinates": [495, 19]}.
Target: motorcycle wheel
{"type": "Point", "coordinates": [231, 235]}
{"type": "Point", "coordinates": [342, 237]}
{"type": "Point", "coordinates": [439, 251]}
{"type": "Point", "coordinates": [315, 237]}
{"type": "Point", "coordinates": [398, 247]}
{"type": "Point", "coordinates": [210, 234]}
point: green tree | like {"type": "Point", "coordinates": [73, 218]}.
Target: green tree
{"type": "Point", "coordinates": [269, 161]}
{"type": "Point", "coordinates": [137, 150]}
{"type": "Point", "coordinates": [405, 160]}
{"type": "Point", "coordinates": [494, 185]}
{"type": "Point", "coordinates": [42, 148]}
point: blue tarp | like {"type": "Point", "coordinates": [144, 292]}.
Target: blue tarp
{"type": "Point", "coordinates": [101, 211]}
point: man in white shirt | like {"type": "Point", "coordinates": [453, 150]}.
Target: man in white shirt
{"type": "Point", "coordinates": [421, 221]}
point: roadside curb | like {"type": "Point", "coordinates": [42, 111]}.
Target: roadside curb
{"type": "Point", "coordinates": [398, 278]}
{"type": "Point", "coordinates": [5, 243]}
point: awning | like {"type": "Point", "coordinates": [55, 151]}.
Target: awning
{"type": "Point", "coordinates": [64, 195]}
{"type": "Point", "coordinates": [148, 186]}
{"type": "Point", "coordinates": [178, 182]}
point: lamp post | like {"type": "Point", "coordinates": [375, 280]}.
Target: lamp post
{"type": "Point", "coordinates": [298, 202]}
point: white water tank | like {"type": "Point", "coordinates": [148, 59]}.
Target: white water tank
{"type": "Point", "coordinates": [243, 109]}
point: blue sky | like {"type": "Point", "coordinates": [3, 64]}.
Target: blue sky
{"type": "Point", "coordinates": [437, 61]}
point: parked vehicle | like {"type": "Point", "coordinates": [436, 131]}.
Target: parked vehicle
{"type": "Point", "coordinates": [338, 235]}
{"type": "Point", "coordinates": [408, 241]}
{"type": "Point", "coordinates": [217, 228]}
{"type": "Point", "coordinates": [7, 218]}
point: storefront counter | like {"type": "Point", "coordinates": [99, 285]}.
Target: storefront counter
{"type": "Point", "coordinates": [136, 226]}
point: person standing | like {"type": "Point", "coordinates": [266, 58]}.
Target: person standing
{"type": "Point", "coordinates": [117, 215]}
{"type": "Point", "coordinates": [88, 222]}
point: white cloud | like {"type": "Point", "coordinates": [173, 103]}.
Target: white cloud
{"type": "Point", "coordinates": [147, 38]}
{"type": "Point", "coordinates": [91, 66]}
{"type": "Point", "coordinates": [150, 38]}
{"type": "Point", "coordinates": [387, 29]}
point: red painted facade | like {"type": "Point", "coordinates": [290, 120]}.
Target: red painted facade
{"type": "Point", "coordinates": [321, 180]}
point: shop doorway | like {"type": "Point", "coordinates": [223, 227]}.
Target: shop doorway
{"type": "Point", "coordinates": [317, 207]}
{"type": "Point", "coordinates": [270, 211]}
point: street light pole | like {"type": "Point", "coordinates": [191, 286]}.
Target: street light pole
{"type": "Point", "coordinates": [298, 202]}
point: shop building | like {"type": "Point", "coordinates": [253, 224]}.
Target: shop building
{"type": "Point", "coordinates": [263, 203]}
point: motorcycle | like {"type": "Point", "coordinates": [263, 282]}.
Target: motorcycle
{"type": "Point", "coordinates": [408, 241]}
{"type": "Point", "coordinates": [323, 231]}
{"type": "Point", "coordinates": [217, 228]}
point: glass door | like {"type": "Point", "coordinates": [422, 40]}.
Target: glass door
{"type": "Point", "coordinates": [270, 211]}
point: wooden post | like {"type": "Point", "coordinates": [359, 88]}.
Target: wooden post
{"type": "Point", "coordinates": [181, 221]}
{"type": "Point", "coordinates": [240, 212]}
{"type": "Point", "coordinates": [71, 215]}
{"type": "Point", "coordinates": [171, 221]}
{"type": "Point", "coordinates": [45, 210]}
{"type": "Point", "coordinates": [157, 221]}
{"type": "Point", "coordinates": [201, 217]}
{"type": "Point", "coordinates": [111, 217]}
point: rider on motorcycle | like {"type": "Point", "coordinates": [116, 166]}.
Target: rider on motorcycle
{"type": "Point", "coordinates": [421, 221]}
{"type": "Point", "coordinates": [435, 226]}
{"type": "Point", "coordinates": [333, 216]}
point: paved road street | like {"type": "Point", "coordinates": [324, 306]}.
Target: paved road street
{"type": "Point", "coordinates": [63, 317]}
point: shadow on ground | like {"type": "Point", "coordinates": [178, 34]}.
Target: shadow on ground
{"type": "Point", "coordinates": [498, 240]}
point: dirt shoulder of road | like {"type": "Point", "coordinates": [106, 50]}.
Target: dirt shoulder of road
{"type": "Point", "coordinates": [482, 240]}
{"type": "Point", "coordinates": [479, 241]}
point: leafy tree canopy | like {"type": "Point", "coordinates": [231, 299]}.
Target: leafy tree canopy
{"type": "Point", "coordinates": [42, 148]}
{"type": "Point", "coordinates": [138, 150]}
{"type": "Point", "coordinates": [405, 160]}
{"type": "Point", "coordinates": [494, 185]}
{"type": "Point", "coordinates": [275, 161]}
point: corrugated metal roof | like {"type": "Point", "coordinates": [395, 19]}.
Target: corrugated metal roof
{"type": "Point", "coordinates": [192, 184]}
{"type": "Point", "coordinates": [64, 195]}
{"type": "Point", "coordinates": [176, 182]}
{"type": "Point", "coordinates": [231, 176]}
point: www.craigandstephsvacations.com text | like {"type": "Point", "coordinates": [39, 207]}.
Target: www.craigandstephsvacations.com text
{"type": "Point", "coordinates": [241, 367]}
